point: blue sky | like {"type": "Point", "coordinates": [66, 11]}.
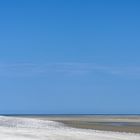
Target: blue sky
{"type": "Point", "coordinates": [74, 56]}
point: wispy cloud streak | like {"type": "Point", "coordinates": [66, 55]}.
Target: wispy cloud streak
{"type": "Point", "coordinates": [32, 69]}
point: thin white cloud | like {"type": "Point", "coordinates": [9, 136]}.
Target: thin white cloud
{"type": "Point", "coordinates": [32, 69]}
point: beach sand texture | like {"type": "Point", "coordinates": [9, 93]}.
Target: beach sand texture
{"type": "Point", "coordinates": [38, 128]}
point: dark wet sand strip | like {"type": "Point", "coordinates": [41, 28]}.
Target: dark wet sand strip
{"type": "Point", "coordinates": [130, 124]}
{"type": "Point", "coordinates": [130, 128]}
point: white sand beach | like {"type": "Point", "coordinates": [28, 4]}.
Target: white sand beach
{"type": "Point", "coordinates": [16, 128]}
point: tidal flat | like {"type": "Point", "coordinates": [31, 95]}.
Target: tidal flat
{"type": "Point", "coordinates": [119, 123]}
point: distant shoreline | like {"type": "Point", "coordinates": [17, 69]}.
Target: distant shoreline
{"type": "Point", "coordinates": [63, 115]}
